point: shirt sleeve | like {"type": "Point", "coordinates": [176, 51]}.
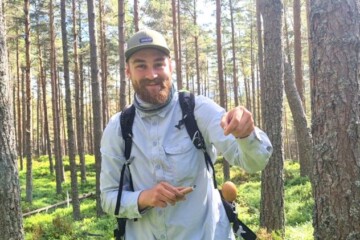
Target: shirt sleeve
{"type": "Point", "coordinates": [251, 153]}
{"type": "Point", "coordinates": [112, 153]}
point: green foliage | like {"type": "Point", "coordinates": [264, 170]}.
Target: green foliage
{"type": "Point", "coordinates": [60, 225]}
{"type": "Point", "coordinates": [298, 203]}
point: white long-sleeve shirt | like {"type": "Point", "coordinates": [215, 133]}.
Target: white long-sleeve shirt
{"type": "Point", "coordinates": [162, 152]}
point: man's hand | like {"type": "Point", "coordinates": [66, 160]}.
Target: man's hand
{"type": "Point", "coordinates": [238, 121]}
{"type": "Point", "coordinates": [161, 195]}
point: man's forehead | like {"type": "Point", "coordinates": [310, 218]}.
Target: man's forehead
{"type": "Point", "coordinates": [144, 55]}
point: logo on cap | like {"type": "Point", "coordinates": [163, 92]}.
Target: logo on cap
{"type": "Point", "coordinates": [146, 40]}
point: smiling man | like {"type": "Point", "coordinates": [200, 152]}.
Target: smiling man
{"type": "Point", "coordinates": [164, 162]}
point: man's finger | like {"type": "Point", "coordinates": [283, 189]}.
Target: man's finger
{"type": "Point", "coordinates": [224, 121]}
{"type": "Point", "coordinates": [234, 122]}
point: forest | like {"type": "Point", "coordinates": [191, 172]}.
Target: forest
{"type": "Point", "coordinates": [295, 64]}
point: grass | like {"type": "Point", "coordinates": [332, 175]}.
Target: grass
{"type": "Point", "coordinates": [58, 224]}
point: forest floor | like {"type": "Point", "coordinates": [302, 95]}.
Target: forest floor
{"type": "Point", "coordinates": [58, 223]}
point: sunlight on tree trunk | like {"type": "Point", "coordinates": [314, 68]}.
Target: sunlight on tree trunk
{"type": "Point", "coordinates": [335, 41]}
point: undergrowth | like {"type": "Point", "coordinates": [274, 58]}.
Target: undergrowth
{"type": "Point", "coordinates": [58, 224]}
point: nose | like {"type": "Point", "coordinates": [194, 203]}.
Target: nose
{"type": "Point", "coordinates": [151, 74]}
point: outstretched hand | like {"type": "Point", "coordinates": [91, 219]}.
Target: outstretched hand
{"type": "Point", "coordinates": [238, 122]}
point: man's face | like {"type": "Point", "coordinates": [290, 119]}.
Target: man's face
{"type": "Point", "coordinates": [150, 73]}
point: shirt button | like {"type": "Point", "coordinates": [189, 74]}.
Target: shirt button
{"type": "Point", "coordinates": [157, 166]}
{"type": "Point", "coordinates": [162, 236]}
{"type": "Point", "coordinates": [154, 144]}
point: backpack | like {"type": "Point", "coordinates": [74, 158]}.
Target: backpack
{"type": "Point", "coordinates": [187, 104]}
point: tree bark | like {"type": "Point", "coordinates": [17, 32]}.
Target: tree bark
{"type": "Point", "coordinates": [235, 81]}
{"type": "Point", "coordinates": [298, 51]}
{"type": "Point", "coordinates": [179, 73]}
{"type": "Point", "coordinates": [335, 64]}
{"type": "Point", "coordinates": [136, 15]}
{"type": "Point", "coordinates": [272, 182]}
{"type": "Point", "coordinates": [253, 102]}
{"type": "Point", "coordinates": [42, 86]}
{"type": "Point", "coordinates": [303, 133]}
{"type": "Point", "coordinates": [96, 101]}
{"type": "Point", "coordinates": [196, 43]}
{"type": "Point", "coordinates": [11, 224]}
{"type": "Point", "coordinates": [260, 58]}
{"type": "Point", "coordinates": [69, 118]}
{"type": "Point", "coordinates": [103, 64]}
{"type": "Point", "coordinates": [121, 20]}
{"type": "Point", "coordinates": [29, 183]}
{"type": "Point", "coordinates": [176, 48]}
{"type": "Point", "coordinates": [226, 167]}
{"type": "Point", "coordinates": [19, 115]}
{"type": "Point", "coordinates": [55, 104]}
{"type": "Point", "coordinates": [78, 106]}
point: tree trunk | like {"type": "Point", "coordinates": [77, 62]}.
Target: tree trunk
{"type": "Point", "coordinates": [136, 15]}
{"type": "Point", "coordinates": [235, 81]}
{"type": "Point", "coordinates": [29, 183]}
{"type": "Point", "coordinates": [121, 20]}
{"type": "Point", "coordinates": [272, 181]}
{"type": "Point", "coordinates": [335, 64]}
{"type": "Point", "coordinates": [38, 118]}
{"type": "Point", "coordinates": [104, 68]}
{"type": "Point", "coordinates": [44, 103]}
{"type": "Point", "coordinates": [176, 48]}
{"type": "Point", "coordinates": [96, 101]}
{"type": "Point", "coordinates": [297, 52]}
{"type": "Point", "coordinates": [226, 167]}
{"type": "Point", "coordinates": [55, 104]}
{"type": "Point", "coordinates": [253, 94]}
{"type": "Point", "coordinates": [196, 37]}
{"type": "Point", "coordinates": [259, 4]}
{"type": "Point", "coordinates": [69, 117]}
{"type": "Point", "coordinates": [303, 136]}
{"type": "Point", "coordinates": [23, 103]}
{"type": "Point", "coordinates": [11, 224]}
{"type": "Point", "coordinates": [19, 115]}
{"type": "Point", "coordinates": [179, 44]}
{"type": "Point", "coordinates": [78, 105]}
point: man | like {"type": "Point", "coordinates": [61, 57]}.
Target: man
{"type": "Point", "coordinates": [164, 159]}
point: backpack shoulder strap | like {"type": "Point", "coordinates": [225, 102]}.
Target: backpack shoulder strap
{"type": "Point", "coordinates": [187, 104]}
{"type": "Point", "coordinates": [126, 121]}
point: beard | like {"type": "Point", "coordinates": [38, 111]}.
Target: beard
{"type": "Point", "coordinates": [155, 91]}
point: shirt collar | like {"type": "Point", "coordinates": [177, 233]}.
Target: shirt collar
{"type": "Point", "coordinates": [147, 109]}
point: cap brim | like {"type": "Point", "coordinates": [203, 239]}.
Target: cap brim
{"type": "Point", "coordinates": [131, 51]}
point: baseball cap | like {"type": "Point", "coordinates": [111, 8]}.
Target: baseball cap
{"type": "Point", "coordinates": [146, 39]}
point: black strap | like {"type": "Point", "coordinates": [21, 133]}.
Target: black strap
{"type": "Point", "coordinates": [240, 229]}
{"type": "Point", "coordinates": [187, 104]}
{"type": "Point", "coordinates": [126, 122]}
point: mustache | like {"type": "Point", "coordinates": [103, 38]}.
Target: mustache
{"type": "Point", "coordinates": [154, 81]}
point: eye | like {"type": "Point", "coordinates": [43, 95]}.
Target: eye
{"type": "Point", "coordinates": [159, 65]}
{"type": "Point", "coordinates": [140, 66]}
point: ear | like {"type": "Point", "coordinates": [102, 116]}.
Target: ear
{"type": "Point", "coordinates": [127, 70]}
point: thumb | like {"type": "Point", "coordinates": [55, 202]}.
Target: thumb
{"type": "Point", "coordinates": [225, 122]}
